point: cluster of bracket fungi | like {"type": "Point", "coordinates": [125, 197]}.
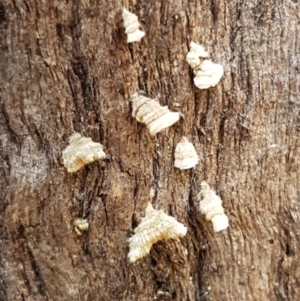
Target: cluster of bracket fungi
{"type": "Point", "coordinates": [156, 225]}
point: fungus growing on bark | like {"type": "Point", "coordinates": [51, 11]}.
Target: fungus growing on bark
{"type": "Point", "coordinates": [193, 56]}
{"type": "Point", "coordinates": [185, 154]}
{"type": "Point", "coordinates": [151, 113]}
{"type": "Point", "coordinates": [155, 226]}
{"type": "Point", "coordinates": [132, 25]}
{"type": "Point", "coordinates": [208, 75]}
{"type": "Point", "coordinates": [211, 206]}
{"type": "Point", "coordinates": [81, 151]}
{"type": "Point", "coordinates": [80, 225]}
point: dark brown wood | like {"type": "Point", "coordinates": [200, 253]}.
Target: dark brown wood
{"type": "Point", "coordinates": [65, 66]}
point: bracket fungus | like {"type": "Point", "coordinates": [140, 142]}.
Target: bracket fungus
{"type": "Point", "coordinates": [80, 225]}
{"type": "Point", "coordinates": [155, 226]}
{"type": "Point", "coordinates": [81, 151]}
{"type": "Point", "coordinates": [185, 154]}
{"type": "Point", "coordinates": [211, 206]}
{"type": "Point", "coordinates": [207, 73]}
{"type": "Point", "coordinates": [151, 113]}
{"type": "Point", "coordinates": [132, 25]}
{"type": "Point", "coordinates": [193, 56]}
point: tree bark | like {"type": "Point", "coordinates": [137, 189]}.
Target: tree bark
{"type": "Point", "coordinates": [65, 66]}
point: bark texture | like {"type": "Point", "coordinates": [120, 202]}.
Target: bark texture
{"type": "Point", "coordinates": [65, 66]}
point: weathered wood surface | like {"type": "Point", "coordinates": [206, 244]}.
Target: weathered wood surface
{"type": "Point", "coordinates": [65, 66]}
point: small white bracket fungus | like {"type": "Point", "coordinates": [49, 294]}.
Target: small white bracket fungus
{"type": "Point", "coordinates": [185, 154]}
{"type": "Point", "coordinates": [211, 206]}
{"type": "Point", "coordinates": [193, 56]}
{"type": "Point", "coordinates": [155, 226]}
{"type": "Point", "coordinates": [80, 225]}
{"type": "Point", "coordinates": [208, 75]}
{"type": "Point", "coordinates": [81, 151]}
{"type": "Point", "coordinates": [132, 25]}
{"type": "Point", "coordinates": [151, 113]}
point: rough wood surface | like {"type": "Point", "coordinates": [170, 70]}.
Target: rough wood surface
{"type": "Point", "coordinates": [65, 66]}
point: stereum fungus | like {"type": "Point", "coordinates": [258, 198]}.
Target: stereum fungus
{"type": "Point", "coordinates": [81, 151]}
{"type": "Point", "coordinates": [207, 73]}
{"type": "Point", "coordinates": [155, 226]}
{"type": "Point", "coordinates": [193, 56]}
{"type": "Point", "coordinates": [151, 113]}
{"type": "Point", "coordinates": [80, 225]}
{"type": "Point", "coordinates": [132, 25]}
{"type": "Point", "coordinates": [185, 154]}
{"type": "Point", "coordinates": [211, 206]}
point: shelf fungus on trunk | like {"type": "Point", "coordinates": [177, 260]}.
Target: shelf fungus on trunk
{"type": "Point", "coordinates": [80, 225]}
{"type": "Point", "coordinates": [81, 151]}
{"type": "Point", "coordinates": [151, 113]}
{"type": "Point", "coordinates": [193, 56]}
{"type": "Point", "coordinates": [155, 226]}
{"type": "Point", "coordinates": [211, 206]}
{"type": "Point", "coordinates": [185, 154]}
{"type": "Point", "coordinates": [208, 75]}
{"type": "Point", "coordinates": [132, 25]}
